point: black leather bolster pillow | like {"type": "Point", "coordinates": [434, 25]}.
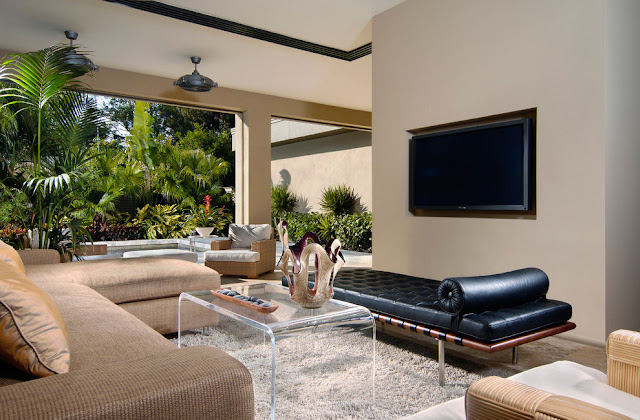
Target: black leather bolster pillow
{"type": "Point", "coordinates": [464, 295]}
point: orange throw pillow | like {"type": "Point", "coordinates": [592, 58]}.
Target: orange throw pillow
{"type": "Point", "coordinates": [11, 256]}
{"type": "Point", "coordinates": [33, 335]}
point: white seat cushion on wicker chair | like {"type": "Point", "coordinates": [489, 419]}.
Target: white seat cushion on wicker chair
{"type": "Point", "coordinates": [233, 255]}
{"type": "Point", "coordinates": [177, 254]}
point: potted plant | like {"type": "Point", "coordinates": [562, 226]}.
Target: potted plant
{"type": "Point", "coordinates": [206, 219]}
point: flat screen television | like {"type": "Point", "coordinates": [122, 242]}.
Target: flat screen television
{"type": "Point", "coordinates": [485, 167]}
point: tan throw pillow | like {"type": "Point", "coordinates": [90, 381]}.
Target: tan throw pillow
{"type": "Point", "coordinates": [33, 336]}
{"type": "Point", "coordinates": [11, 256]}
{"type": "Point", "coordinates": [242, 235]}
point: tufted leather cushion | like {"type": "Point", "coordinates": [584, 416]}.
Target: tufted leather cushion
{"type": "Point", "coordinates": [464, 295]}
{"type": "Point", "coordinates": [416, 299]}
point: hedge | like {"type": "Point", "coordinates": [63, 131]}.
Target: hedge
{"type": "Point", "coordinates": [353, 230]}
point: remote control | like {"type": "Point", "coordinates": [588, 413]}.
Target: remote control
{"type": "Point", "coordinates": [249, 302]}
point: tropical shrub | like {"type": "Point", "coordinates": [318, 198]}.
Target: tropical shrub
{"type": "Point", "coordinates": [339, 200]}
{"type": "Point", "coordinates": [353, 230]}
{"type": "Point", "coordinates": [162, 221]}
{"type": "Point", "coordinates": [282, 200]}
{"type": "Point", "coordinates": [101, 230]}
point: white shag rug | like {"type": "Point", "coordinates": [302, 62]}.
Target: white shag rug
{"type": "Point", "coordinates": [330, 378]}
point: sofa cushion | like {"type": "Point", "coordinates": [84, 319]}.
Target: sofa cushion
{"type": "Point", "coordinates": [242, 235]}
{"type": "Point", "coordinates": [33, 335]}
{"type": "Point", "coordinates": [232, 255]}
{"type": "Point", "coordinates": [101, 332]}
{"type": "Point", "coordinates": [11, 256]}
{"type": "Point", "coordinates": [129, 280]}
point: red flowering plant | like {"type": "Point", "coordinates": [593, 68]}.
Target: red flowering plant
{"type": "Point", "coordinates": [209, 216]}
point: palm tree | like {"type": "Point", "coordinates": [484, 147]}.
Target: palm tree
{"type": "Point", "coordinates": [43, 91]}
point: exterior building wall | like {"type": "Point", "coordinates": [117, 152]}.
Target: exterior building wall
{"type": "Point", "coordinates": [309, 166]}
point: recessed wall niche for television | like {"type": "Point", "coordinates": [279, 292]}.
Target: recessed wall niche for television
{"type": "Point", "coordinates": [480, 167]}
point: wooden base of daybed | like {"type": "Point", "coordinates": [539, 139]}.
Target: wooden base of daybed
{"type": "Point", "coordinates": [442, 337]}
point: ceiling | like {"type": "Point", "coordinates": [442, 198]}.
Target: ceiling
{"type": "Point", "coordinates": [124, 38]}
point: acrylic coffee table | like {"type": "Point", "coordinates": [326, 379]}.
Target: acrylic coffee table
{"type": "Point", "coordinates": [289, 321]}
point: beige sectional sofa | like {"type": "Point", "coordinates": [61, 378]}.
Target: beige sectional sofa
{"type": "Point", "coordinates": [146, 287]}
{"type": "Point", "coordinates": [120, 367]}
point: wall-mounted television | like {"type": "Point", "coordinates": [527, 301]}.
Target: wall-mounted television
{"type": "Point", "coordinates": [484, 167]}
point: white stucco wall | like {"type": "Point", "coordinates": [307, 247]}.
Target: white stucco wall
{"type": "Point", "coordinates": [309, 166]}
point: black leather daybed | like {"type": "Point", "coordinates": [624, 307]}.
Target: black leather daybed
{"type": "Point", "coordinates": [487, 313]}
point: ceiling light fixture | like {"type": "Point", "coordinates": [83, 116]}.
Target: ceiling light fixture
{"type": "Point", "coordinates": [195, 82]}
{"type": "Point", "coordinates": [74, 59]}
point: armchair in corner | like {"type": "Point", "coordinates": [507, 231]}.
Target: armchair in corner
{"type": "Point", "coordinates": [250, 250]}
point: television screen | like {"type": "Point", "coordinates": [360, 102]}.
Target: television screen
{"type": "Point", "coordinates": [485, 167]}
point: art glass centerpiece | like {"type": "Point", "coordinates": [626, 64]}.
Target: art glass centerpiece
{"type": "Point", "coordinates": [328, 261]}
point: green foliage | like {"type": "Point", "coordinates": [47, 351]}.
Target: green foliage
{"type": "Point", "coordinates": [49, 112]}
{"type": "Point", "coordinates": [13, 206]}
{"type": "Point", "coordinates": [35, 79]}
{"type": "Point", "coordinates": [212, 142]}
{"type": "Point", "coordinates": [282, 200]}
{"type": "Point", "coordinates": [339, 200]}
{"type": "Point", "coordinates": [111, 230]}
{"type": "Point", "coordinates": [171, 174]}
{"type": "Point", "coordinates": [217, 218]}
{"type": "Point", "coordinates": [353, 230]}
{"type": "Point", "coordinates": [141, 146]}
{"type": "Point", "coordinates": [168, 120]}
{"type": "Point", "coordinates": [162, 221]}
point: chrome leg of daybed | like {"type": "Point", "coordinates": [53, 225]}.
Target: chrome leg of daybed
{"type": "Point", "coordinates": [514, 355]}
{"type": "Point", "coordinates": [441, 375]}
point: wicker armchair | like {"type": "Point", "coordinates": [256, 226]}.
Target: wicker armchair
{"type": "Point", "coordinates": [497, 398]}
{"type": "Point", "coordinates": [249, 262]}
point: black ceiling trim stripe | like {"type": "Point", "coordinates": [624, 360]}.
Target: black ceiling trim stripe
{"type": "Point", "coordinates": [244, 30]}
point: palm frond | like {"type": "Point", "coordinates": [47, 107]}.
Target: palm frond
{"type": "Point", "coordinates": [50, 183]}
{"type": "Point", "coordinates": [36, 77]}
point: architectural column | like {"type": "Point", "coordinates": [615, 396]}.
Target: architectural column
{"type": "Point", "coordinates": [253, 167]}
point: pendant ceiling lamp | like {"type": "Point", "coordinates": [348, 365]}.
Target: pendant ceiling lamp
{"type": "Point", "coordinates": [75, 59]}
{"type": "Point", "coordinates": [195, 82]}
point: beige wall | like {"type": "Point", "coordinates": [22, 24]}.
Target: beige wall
{"type": "Point", "coordinates": [622, 128]}
{"type": "Point", "coordinates": [309, 166]}
{"type": "Point", "coordinates": [253, 160]}
{"type": "Point", "coordinates": [437, 62]}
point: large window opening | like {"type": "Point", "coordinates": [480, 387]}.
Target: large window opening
{"type": "Point", "coordinates": [174, 167]}
{"type": "Point", "coordinates": [121, 169]}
